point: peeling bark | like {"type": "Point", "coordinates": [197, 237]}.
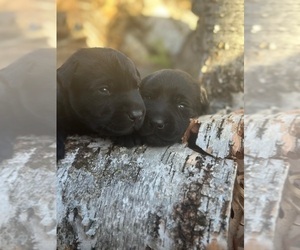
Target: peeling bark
{"type": "Point", "coordinates": [218, 135]}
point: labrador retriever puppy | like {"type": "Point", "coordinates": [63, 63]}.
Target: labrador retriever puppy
{"type": "Point", "coordinates": [97, 94]}
{"type": "Point", "coordinates": [27, 98]}
{"type": "Point", "coordinates": [171, 98]}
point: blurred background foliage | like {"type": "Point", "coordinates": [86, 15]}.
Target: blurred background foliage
{"type": "Point", "coordinates": [155, 34]}
{"type": "Point", "coordinates": [24, 26]}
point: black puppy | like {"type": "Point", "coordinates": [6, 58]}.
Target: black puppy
{"type": "Point", "coordinates": [97, 93]}
{"type": "Point", "coordinates": [171, 98]}
{"type": "Point", "coordinates": [27, 98]}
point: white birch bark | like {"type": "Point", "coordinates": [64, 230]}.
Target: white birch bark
{"type": "Point", "coordinates": [155, 198]}
{"type": "Point", "coordinates": [271, 174]}
{"type": "Point", "coordinates": [28, 196]}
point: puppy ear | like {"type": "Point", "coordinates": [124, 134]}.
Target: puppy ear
{"type": "Point", "coordinates": [66, 72]}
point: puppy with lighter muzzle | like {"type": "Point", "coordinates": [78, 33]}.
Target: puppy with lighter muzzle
{"type": "Point", "coordinates": [171, 98]}
{"type": "Point", "coordinates": [98, 94]}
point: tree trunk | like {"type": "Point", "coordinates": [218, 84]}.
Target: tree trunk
{"type": "Point", "coordinates": [221, 37]}
{"type": "Point", "coordinates": [272, 61]}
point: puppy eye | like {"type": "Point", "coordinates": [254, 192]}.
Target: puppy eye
{"type": "Point", "coordinates": [104, 91]}
{"type": "Point", "coordinates": [181, 105]}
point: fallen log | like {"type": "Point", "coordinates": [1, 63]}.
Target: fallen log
{"type": "Point", "coordinates": [111, 197]}
{"type": "Point", "coordinates": [272, 179]}
{"type": "Point", "coordinates": [160, 198]}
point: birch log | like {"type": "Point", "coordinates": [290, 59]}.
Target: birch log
{"type": "Point", "coordinates": [222, 135]}
{"type": "Point", "coordinates": [215, 130]}
{"type": "Point", "coordinates": [143, 198]}
{"type": "Point", "coordinates": [28, 196]}
{"type": "Point", "coordinates": [271, 191]}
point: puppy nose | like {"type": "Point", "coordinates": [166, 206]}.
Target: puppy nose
{"type": "Point", "coordinates": [136, 115]}
{"type": "Point", "coordinates": [158, 123]}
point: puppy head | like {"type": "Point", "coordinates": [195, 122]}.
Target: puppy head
{"type": "Point", "coordinates": [101, 88]}
{"type": "Point", "coordinates": [171, 98]}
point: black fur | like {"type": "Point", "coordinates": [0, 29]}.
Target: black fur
{"type": "Point", "coordinates": [27, 98]}
{"type": "Point", "coordinates": [97, 93]}
{"type": "Point", "coordinates": [171, 98]}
